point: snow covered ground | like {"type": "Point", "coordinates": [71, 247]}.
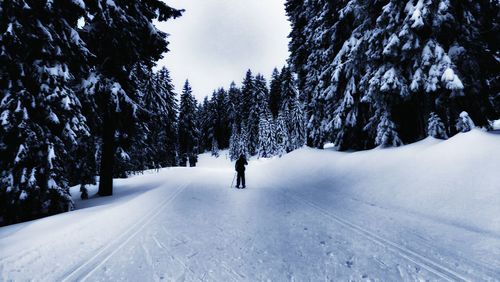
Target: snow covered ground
{"type": "Point", "coordinates": [427, 211]}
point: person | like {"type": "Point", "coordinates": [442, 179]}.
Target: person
{"type": "Point", "coordinates": [240, 169]}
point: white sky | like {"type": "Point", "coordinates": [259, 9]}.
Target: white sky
{"type": "Point", "coordinates": [216, 41]}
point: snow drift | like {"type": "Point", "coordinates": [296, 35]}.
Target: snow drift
{"type": "Point", "coordinates": [456, 180]}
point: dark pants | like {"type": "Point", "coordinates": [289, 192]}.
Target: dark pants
{"type": "Point", "coordinates": [240, 177]}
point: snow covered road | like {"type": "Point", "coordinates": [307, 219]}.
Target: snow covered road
{"type": "Point", "coordinates": [258, 234]}
{"type": "Point", "coordinates": [188, 225]}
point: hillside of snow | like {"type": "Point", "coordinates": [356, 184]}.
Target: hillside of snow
{"type": "Point", "coordinates": [457, 181]}
{"type": "Point", "coordinates": [426, 211]}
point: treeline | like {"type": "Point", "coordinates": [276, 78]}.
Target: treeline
{"type": "Point", "coordinates": [385, 73]}
{"type": "Point", "coordinates": [78, 99]}
{"type": "Point", "coordinates": [254, 119]}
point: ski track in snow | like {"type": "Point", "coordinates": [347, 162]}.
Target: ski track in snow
{"type": "Point", "coordinates": [182, 253]}
{"type": "Point", "coordinates": [160, 253]}
{"type": "Point", "coordinates": [85, 270]}
{"type": "Point", "coordinates": [164, 246]}
{"type": "Point", "coordinates": [427, 263]}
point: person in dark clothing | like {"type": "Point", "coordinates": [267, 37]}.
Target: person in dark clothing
{"type": "Point", "coordinates": [240, 169]}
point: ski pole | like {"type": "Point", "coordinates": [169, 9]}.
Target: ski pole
{"type": "Point", "coordinates": [232, 183]}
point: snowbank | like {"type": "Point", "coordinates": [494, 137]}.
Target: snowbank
{"type": "Point", "coordinates": [496, 124]}
{"type": "Point", "coordinates": [455, 181]}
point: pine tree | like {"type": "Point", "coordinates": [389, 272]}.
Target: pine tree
{"type": "Point", "coordinates": [137, 153]}
{"type": "Point", "coordinates": [168, 116]}
{"type": "Point", "coordinates": [233, 143]}
{"type": "Point", "coordinates": [238, 144]}
{"type": "Point", "coordinates": [222, 127]}
{"type": "Point", "coordinates": [41, 122]}
{"type": "Point", "coordinates": [188, 130]}
{"type": "Point", "coordinates": [120, 35]}
{"type": "Point", "coordinates": [464, 123]}
{"type": "Point", "coordinates": [282, 139]}
{"type": "Point", "coordinates": [435, 127]}
{"type": "Point", "coordinates": [299, 14]}
{"type": "Point", "coordinates": [215, 122]}
{"type": "Point", "coordinates": [275, 93]}
{"type": "Point", "coordinates": [267, 136]}
{"type": "Point", "coordinates": [247, 96]}
{"type": "Point", "coordinates": [246, 100]}
{"type": "Point", "coordinates": [243, 144]}
{"type": "Point", "coordinates": [291, 111]}
{"type": "Point", "coordinates": [258, 106]}
{"type": "Point", "coordinates": [212, 121]}
{"type": "Point", "coordinates": [154, 144]}
{"type": "Point", "coordinates": [234, 110]}
{"type": "Point", "coordinates": [205, 124]}
{"type": "Point", "coordinates": [296, 127]}
{"type": "Point", "coordinates": [83, 164]}
{"type": "Point", "coordinates": [386, 133]}
{"type": "Point", "coordinates": [360, 62]}
{"type": "Point", "coordinates": [215, 148]}
{"type": "Point", "coordinates": [288, 89]}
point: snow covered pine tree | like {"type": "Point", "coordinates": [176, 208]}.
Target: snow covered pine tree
{"type": "Point", "coordinates": [65, 77]}
{"type": "Point", "coordinates": [372, 72]}
{"type": "Point", "coordinates": [436, 127]}
{"type": "Point", "coordinates": [267, 146]}
{"type": "Point", "coordinates": [188, 127]}
{"type": "Point", "coordinates": [40, 114]}
{"type": "Point", "coordinates": [258, 106]}
{"type": "Point", "coordinates": [120, 35]}
{"type": "Point", "coordinates": [154, 145]}
{"type": "Point", "coordinates": [275, 93]}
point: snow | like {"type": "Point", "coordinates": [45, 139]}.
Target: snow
{"type": "Point", "coordinates": [79, 3]}
{"type": "Point", "coordinates": [32, 180]}
{"type": "Point", "coordinates": [90, 83]}
{"type": "Point", "coordinates": [81, 23]}
{"type": "Point", "coordinates": [391, 45]}
{"type": "Point", "coordinates": [390, 81]}
{"type": "Point", "coordinates": [465, 123]}
{"type": "Point", "coordinates": [10, 29]}
{"type": "Point", "coordinates": [66, 103]}
{"type": "Point", "coordinates": [416, 14]}
{"type": "Point", "coordinates": [496, 124]}
{"type": "Point", "coordinates": [451, 79]}
{"type": "Point", "coordinates": [111, 3]}
{"type": "Point", "coordinates": [20, 152]}
{"type": "Point", "coordinates": [57, 70]}
{"type": "Point", "coordinates": [75, 37]}
{"type": "Point", "coordinates": [123, 154]}
{"type": "Point", "coordinates": [69, 133]}
{"type": "Point", "coordinates": [51, 155]}
{"type": "Point", "coordinates": [417, 78]}
{"type": "Point", "coordinates": [23, 196]}
{"type": "Point", "coordinates": [417, 19]}
{"type": "Point", "coordinates": [426, 211]}
{"type": "Point", "coordinates": [52, 184]}
{"type": "Point", "coordinates": [4, 117]}
{"type": "Point", "coordinates": [44, 30]}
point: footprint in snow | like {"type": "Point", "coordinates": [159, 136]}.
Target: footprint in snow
{"type": "Point", "coordinates": [349, 263]}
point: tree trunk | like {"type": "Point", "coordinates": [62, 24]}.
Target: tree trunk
{"type": "Point", "coordinates": [107, 157]}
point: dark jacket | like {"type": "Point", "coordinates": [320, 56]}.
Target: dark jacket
{"type": "Point", "coordinates": [240, 164]}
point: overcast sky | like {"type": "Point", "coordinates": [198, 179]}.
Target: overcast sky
{"type": "Point", "coordinates": [216, 41]}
